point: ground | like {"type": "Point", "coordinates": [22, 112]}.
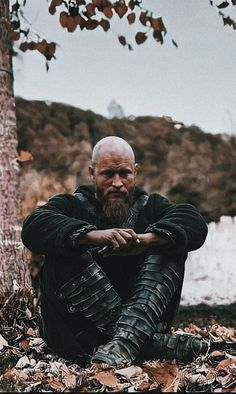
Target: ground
{"type": "Point", "coordinates": [27, 365]}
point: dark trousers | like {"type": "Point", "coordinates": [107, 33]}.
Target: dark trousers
{"type": "Point", "coordinates": [71, 334]}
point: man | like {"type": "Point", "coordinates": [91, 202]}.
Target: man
{"type": "Point", "coordinates": [114, 265]}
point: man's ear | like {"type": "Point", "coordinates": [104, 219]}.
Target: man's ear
{"type": "Point", "coordinates": [91, 172]}
{"type": "Point", "coordinates": [136, 167]}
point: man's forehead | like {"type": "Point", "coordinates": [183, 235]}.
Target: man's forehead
{"type": "Point", "coordinates": [115, 155]}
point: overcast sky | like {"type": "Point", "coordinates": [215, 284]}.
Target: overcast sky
{"type": "Point", "coordinates": [194, 83]}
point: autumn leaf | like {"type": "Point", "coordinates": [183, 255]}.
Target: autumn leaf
{"type": "Point", "coordinates": [131, 18]}
{"type": "Point", "coordinates": [157, 24]}
{"type": "Point", "coordinates": [131, 4]}
{"type": "Point", "coordinates": [143, 18]}
{"type": "Point", "coordinates": [106, 378]}
{"type": "Point", "coordinates": [164, 374]}
{"type": "Point", "coordinates": [121, 9]}
{"type": "Point", "coordinates": [56, 384]}
{"type": "Point", "coordinates": [140, 37]}
{"type": "Point", "coordinates": [24, 156]}
{"type": "Point", "coordinates": [122, 40]}
{"type": "Point", "coordinates": [46, 48]}
{"type": "Point", "coordinates": [24, 344]}
{"type": "Point", "coordinates": [80, 21]}
{"type": "Point", "coordinates": [91, 24]}
{"type": "Point", "coordinates": [63, 18]}
{"type": "Point", "coordinates": [105, 24]}
{"type": "Point", "coordinates": [90, 9]}
{"type": "Point", "coordinates": [107, 11]}
{"type": "Point", "coordinates": [53, 5]}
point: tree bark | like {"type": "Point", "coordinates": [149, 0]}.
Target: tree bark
{"type": "Point", "coordinates": [12, 261]}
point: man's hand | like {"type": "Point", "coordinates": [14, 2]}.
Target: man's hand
{"type": "Point", "coordinates": [136, 247]}
{"type": "Point", "coordinates": [115, 238]}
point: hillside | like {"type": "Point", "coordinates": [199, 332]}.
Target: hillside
{"type": "Point", "coordinates": [184, 164]}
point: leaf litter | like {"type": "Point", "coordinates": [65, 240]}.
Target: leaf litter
{"type": "Point", "coordinates": [26, 364]}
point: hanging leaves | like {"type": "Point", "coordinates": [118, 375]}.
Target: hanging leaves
{"type": "Point", "coordinates": [140, 37]}
{"type": "Point", "coordinates": [46, 48]}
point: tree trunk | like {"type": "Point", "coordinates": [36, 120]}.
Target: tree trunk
{"type": "Point", "coordinates": [12, 262]}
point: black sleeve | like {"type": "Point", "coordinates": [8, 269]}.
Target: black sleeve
{"type": "Point", "coordinates": [47, 228]}
{"type": "Point", "coordinates": [182, 220]}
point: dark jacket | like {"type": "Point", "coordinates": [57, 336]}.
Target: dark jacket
{"type": "Point", "coordinates": [47, 229]}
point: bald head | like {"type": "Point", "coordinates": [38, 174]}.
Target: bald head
{"type": "Point", "coordinates": [112, 145]}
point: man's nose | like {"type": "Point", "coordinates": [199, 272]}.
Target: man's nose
{"type": "Point", "coordinates": [116, 181]}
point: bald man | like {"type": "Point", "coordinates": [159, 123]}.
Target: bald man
{"type": "Point", "coordinates": [114, 265]}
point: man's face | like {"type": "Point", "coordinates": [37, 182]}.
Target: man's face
{"type": "Point", "coordinates": [114, 179]}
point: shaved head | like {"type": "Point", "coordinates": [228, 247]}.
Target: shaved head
{"type": "Point", "coordinates": [111, 145]}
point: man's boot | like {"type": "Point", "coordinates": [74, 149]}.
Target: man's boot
{"type": "Point", "coordinates": [180, 347]}
{"type": "Point", "coordinates": [155, 287]}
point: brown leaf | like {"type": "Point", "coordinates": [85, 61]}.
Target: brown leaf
{"type": "Point", "coordinates": [71, 23]}
{"type": "Point", "coordinates": [143, 386]}
{"type": "Point", "coordinates": [31, 332]}
{"type": "Point", "coordinates": [24, 156]}
{"type": "Point", "coordinates": [105, 24]}
{"type": "Point", "coordinates": [56, 384]}
{"type": "Point", "coordinates": [131, 18]}
{"type": "Point", "coordinates": [24, 344]}
{"type": "Point", "coordinates": [121, 8]}
{"type": "Point", "coordinates": [90, 9]}
{"type": "Point", "coordinates": [107, 11]}
{"type": "Point", "coordinates": [157, 24]}
{"type": "Point", "coordinates": [158, 36]}
{"type": "Point", "coordinates": [122, 40]}
{"type": "Point", "coordinates": [128, 372]}
{"type": "Point", "coordinates": [91, 24]}
{"type": "Point", "coordinates": [80, 21]}
{"type": "Point", "coordinates": [46, 48]}
{"type": "Point", "coordinates": [53, 5]}
{"type": "Point", "coordinates": [140, 37]}
{"type": "Point", "coordinates": [28, 45]}
{"type": "Point", "coordinates": [164, 374]}
{"type": "Point", "coordinates": [107, 378]}
{"type": "Point", "coordinates": [131, 4]}
{"type": "Point", "coordinates": [143, 18]}
{"type": "Point", "coordinates": [222, 366]}
{"type": "Point", "coordinates": [63, 18]}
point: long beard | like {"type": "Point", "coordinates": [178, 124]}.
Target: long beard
{"type": "Point", "coordinates": [115, 211]}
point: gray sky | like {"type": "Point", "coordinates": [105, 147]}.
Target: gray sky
{"type": "Point", "coordinates": [194, 83]}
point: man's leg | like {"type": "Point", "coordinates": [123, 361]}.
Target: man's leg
{"type": "Point", "coordinates": [154, 291]}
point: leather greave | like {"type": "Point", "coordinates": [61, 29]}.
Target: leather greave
{"type": "Point", "coordinates": [92, 294]}
{"type": "Point", "coordinates": [156, 284]}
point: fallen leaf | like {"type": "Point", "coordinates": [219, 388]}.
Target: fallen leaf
{"type": "Point", "coordinates": [3, 342]}
{"type": "Point", "coordinates": [70, 381]}
{"type": "Point", "coordinates": [24, 344]}
{"type": "Point", "coordinates": [222, 366]}
{"type": "Point", "coordinates": [106, 378]}
{"type": "Point", "coordinates": [164, 374]}
{"type": "Point", "coordinates": [129, 372]}
{"type": "Point", "coordinates": [22, 362]}
{"type": "Point", "coordinates": [56, 384]}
